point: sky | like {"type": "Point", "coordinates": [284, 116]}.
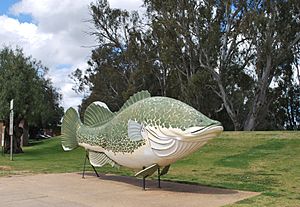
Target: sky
{"type": "Point", "coordinates": [55, 32]}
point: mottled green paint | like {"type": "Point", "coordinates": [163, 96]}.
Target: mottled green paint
{"type": "Point", "coordinates": [153, 111]}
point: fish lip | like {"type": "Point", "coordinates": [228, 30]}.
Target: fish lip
{"type": "Point", "coordinates": [192, 134]}
{"type": "Point", "coordinates": [208, 128]}
{"type": "Point", "coordinates": [202, 134]}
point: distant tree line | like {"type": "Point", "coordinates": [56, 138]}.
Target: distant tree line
{"type": "Point", "coordinates": [235, 61]}
{"type": "Point", "coordinates": [36, 101]}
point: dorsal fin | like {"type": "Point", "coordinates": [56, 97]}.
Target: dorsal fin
{"type": "Point", "coordinates": [135, 98]}
{"type": "Point", "coordinates": [97, 113]}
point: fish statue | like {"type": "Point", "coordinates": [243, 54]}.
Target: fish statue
{"type": "Point", "coordinates": [146, 134]}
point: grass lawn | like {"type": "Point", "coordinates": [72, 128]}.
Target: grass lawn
{"type": "Point", "coordinates": [267, 162]}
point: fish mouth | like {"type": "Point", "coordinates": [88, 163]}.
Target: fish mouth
{"type": "Point", "coordinates": [192, 134]}
{"type": "Point", "coordinates": [209, 128]}
{"type": "Point", "coordinates": [203, 133]}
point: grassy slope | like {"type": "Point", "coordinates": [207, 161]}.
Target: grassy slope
{"type": "Point", "coordinates": [267, 162]}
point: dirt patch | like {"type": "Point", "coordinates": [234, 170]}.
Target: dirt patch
{"type": "Point", "coordinates": [6, 168]}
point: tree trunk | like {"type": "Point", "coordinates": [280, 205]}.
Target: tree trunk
{"type": "Point", "coordinates": [25, 136]}
{"type": "Point", "coordinates": [260, 97]}
{"type": "Point", "coordinates": [227, 103]}
{"type": "Point", "coordinates": [16, 140]}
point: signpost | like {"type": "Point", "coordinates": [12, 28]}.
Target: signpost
{"type": "Point", "coordinates": [11, 127]}
{"type": "Point", "coordinates": [2, 138]}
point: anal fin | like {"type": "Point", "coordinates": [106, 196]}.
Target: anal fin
{"type": "Point", "coordinates": [147, 171]}
{"type": "Point", "coordinates": [99, 159]}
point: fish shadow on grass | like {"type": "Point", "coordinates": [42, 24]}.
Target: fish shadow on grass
{"type": "Point", "coordinates": [171, 186]}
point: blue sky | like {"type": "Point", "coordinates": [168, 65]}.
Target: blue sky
{"type": "Point", "coordinates": [5, 4]}
{"type": "Point", "coordinates": [56, 38]}
{"type": "Point", "coordinates": [4, 10]}
{"type": "Point", "coordinates": [55, 32]}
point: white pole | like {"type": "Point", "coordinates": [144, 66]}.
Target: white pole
{"type": "Point", "coordinates": [2, 139]}
{"type": "Point", "coordinates": [2, 136]}
{"type": "Point", "coordinates": [11, 127]}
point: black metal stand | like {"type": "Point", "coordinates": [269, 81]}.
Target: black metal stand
{"type": "Point", "coordinates": [158, 174]}
{"type": "Point", "coordinates": [83, 172]}
{"type": "Point", "coordinates": [144, 181]}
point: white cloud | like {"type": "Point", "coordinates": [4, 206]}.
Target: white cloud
{"type": "Point", "coordinates": [66, 22]}
{"type": "Point", "coordinates": [128, 4]}
{"type": "Point", "coordinates": [57, 36]}
{"type": "Point", "coordinates": [12, 32]}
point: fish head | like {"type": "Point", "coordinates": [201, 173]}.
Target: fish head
{"type": "Point", "coordinates": [200, 132]}
{"type": "Point", "coordinates": [194, 133]}
{"type": "Point", "coordinates": [173, 118]}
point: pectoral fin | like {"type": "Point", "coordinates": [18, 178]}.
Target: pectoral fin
{"type": "Point", "coordinates": [135, 131]}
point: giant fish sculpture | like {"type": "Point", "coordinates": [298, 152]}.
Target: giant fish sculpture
{"type": "Point", "coordinates": [146, 134]}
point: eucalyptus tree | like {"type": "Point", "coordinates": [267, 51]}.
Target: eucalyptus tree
{"type": "Point", "coordinates": [225, 58]}
{"type": "Point", "coordinates": [242, 44]}
{"type": "Point", "coordinates": [119, 66]}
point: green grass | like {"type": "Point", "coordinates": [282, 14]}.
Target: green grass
{"type": "Point", "coordinates": [47, 156]}
{"type": "Point", "coordinates": [266, 162]}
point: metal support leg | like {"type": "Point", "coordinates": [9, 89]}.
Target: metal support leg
{"type": "Point", "coordinates": [158, 173]}
{"type": "Point", "coordinates": [144, 183]}
{"type": "Point", "coordinates": [95, 171]}
{"type": "Point", "coordinates": [83, 172]}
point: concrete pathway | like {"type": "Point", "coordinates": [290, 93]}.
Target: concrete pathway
{"type": "Point", "coordinates": [70, 190]}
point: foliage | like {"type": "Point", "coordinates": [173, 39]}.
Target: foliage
{"type": "Point", "coordinates": [225, 58]}
{"type": "Point", "coordinates": [23, 79]}
{"type": "Point", "coordinates": [266, 162]}
{"type": "Point", "coordinates": [36, 101]}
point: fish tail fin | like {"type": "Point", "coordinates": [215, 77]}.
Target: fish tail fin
{"type": "Point", "coordinates": [71, 122]}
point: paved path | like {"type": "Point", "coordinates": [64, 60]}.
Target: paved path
{"type": "Point", "coordinates": [70, 190]}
